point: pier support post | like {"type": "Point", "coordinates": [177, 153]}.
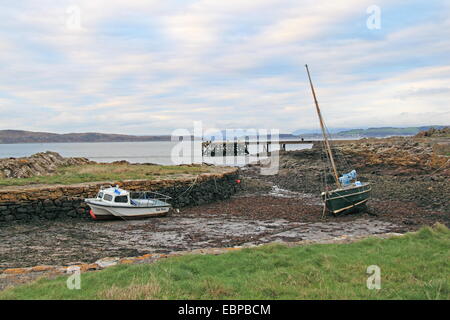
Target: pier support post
{"type": "Point", "coordinates": [257, 147]}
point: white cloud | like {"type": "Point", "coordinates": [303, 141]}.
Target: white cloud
{"type": "Point", "coordinates": [151, 66]}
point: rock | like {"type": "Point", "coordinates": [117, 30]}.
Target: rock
{"type": "Point", "coordinates": [22, 216]}
{"type": "Point", "coordinates": [68, 204]}
{"type": "Point", "coordinates": [39, 164]}
{"type": "Point", "coordinates": [48, 203]}
{"type": "Point", "coordinates": [24, 209]}
{"type": "Point", "coordinates": [72, 213]}
{"type": "Point", "coordinates": [432, 132]}
{"type": "Point", "coordinates": [50, 215]}
{"type": "Point", "coordinates": [107, 262]}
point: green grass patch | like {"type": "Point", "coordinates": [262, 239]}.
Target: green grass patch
{"type": "Point", "coordinates": [414, 266]}
{"type": "Point", "coordinates": [108, 172]}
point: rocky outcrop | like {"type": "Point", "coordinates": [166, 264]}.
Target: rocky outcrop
{"type": "Point", "coordinates": [432, 132]}
{"type": "Point", "coordinates": [39, 164]}
{"type": "Point", "coordinates": [396, 156]}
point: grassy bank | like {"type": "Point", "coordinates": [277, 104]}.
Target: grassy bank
{"type": "Point", "coordinates": [107, 172]}
{"type": "Point", "coordinates": [415, 266]}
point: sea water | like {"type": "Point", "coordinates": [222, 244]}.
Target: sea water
{"type": "Point", "coordinates": [158, 152]}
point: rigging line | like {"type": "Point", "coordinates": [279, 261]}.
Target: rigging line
{"type": "Point", "coordinates": [324, 155]}
{"type": "Point", "coordinates": [118, 215]}
{"type": "Point", "coordinates": [323, 170]}
{"type": "Point", "coordinates": [342, 159]}
{"type": "Point", "coordinates": [319, 114]}
{"type": "Point", "coordinates": [193, 183]}
{"type": "Point", "coordinates": [441, 167]}
{"type": "Point", "coordinates": [325, 165]}
{"type": "Point", "coordinates": [338, 152]}
{"type": "Point", "coordinates": [330, 142]}
{"type": "Point", "coordinates": [324, 206]}
{"type": "Point", "coordinates": [324, 182]}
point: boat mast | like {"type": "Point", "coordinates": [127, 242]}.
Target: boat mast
{"type": "Point", "coordinates": [322, 126]}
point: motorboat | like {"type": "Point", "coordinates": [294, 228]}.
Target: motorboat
{"type": "Point", "coordinates": [113, 202]}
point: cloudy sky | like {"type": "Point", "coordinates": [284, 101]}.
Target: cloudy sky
{"type": "Point", "coordinates": [151, 66]}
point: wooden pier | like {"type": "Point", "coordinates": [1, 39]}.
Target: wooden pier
{"type": "Point", "coordinates": [241, 147]}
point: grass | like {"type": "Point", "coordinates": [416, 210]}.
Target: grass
{"type": "Point", "coordinates": [414, 266]}
{"type": "Point", "coordinates": [106, 172]}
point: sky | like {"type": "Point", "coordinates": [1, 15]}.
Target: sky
{"type": "Point", "coordinates": [152, 66]}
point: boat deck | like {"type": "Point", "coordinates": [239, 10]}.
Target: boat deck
{"type": "Point", "coordinates": [148, 203]}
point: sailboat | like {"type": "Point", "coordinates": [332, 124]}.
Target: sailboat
{"type": "Point", "coordinates": [349, 192]}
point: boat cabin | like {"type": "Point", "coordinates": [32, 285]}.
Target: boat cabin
{"type": "Point", "coordinates": [114, 195]}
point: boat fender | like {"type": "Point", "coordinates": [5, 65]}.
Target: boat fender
{"type": "Point", "coordinates": [92, 214]}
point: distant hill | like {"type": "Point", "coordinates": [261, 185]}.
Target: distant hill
{"type": "Point", "coordinates": [314, 132]}
{"type": "Point", "coordinates": [377, 132]}
{"type": "Point", "coordinates": [20, 136]}
{"type": "Point", "coordinates": [386, 131]}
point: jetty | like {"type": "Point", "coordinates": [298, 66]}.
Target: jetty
{"type": "Point", "coordinates": [241, 147]}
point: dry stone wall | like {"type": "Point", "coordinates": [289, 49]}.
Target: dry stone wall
{"type": "Point", "coordinates": [67, 201]}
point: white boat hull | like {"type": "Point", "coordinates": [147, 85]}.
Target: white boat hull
{"type": "Point", "coordinates": [105, 212]}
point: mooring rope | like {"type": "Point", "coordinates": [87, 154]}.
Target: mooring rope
{"type": "Point", "coordinates": [190, 187]}
{"type": "Point", "coordinates": [441, 167]}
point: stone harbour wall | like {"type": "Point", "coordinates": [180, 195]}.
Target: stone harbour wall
{"type": "Point", "coordinates": [67, 201]}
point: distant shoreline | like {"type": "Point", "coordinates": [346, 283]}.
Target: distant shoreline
{"type": "Point", "coordinates": [22, 136]}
